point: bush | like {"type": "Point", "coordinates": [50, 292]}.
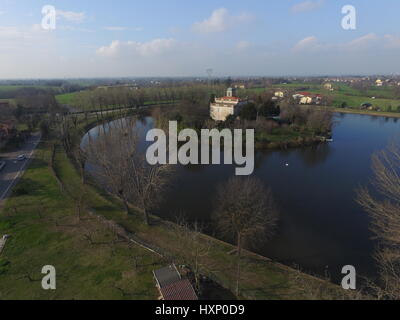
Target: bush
{"type": "Point", "coordinates": [20, 191]}
{"type": "Point", "coordinates": [248, 112]}
{"type": "Point", "coordinates": [4, 264]}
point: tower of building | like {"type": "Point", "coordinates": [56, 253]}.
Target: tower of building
{"type": "Point", "coordinates": [231, 92]}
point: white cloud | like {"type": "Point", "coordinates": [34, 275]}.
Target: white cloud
{"type": "Point", "coordinates": [15, 34]}
{"type": "Point", "coordinates": [306, 6]}
{"type": "Point", "coordinates": [150, 48]}
{"type": "Point", "coordinates": [220, 21]}
{"type": "Point", "coordinates": [363, 42]}
{"type": "Point", "coordinates": [10, 33]}
{"type": "Point", "coordinates": [307, 44]}
{"type": "Point", "coordinates": [392, 41]}
{"type": "Point", "coordinates": [71, 16]}
{"type": "Point", "coordinates": [312, 44]}
{"type": "Point", "coordinates": [113, 28]}
{"type": "Point", "coordinates": [243, 45]}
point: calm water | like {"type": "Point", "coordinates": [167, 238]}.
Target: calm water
{"type": "Point", "coordinates": [321, 227]}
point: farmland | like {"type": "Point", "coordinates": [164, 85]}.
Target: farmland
{"type": "Point", "coordinates": [386, 98]}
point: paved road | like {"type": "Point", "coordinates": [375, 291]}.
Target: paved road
{"type": "Point", "coordinates": [14, 169]}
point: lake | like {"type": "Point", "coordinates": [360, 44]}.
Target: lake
{"type": "Point", "coordinates": [321, 227]}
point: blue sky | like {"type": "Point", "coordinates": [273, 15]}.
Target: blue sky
{"type": "Point", "coordinates": [185, 37]}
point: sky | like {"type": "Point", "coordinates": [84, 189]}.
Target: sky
{"type": "Point", "coordinates": [168, 38]}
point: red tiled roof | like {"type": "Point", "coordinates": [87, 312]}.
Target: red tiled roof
{"type": "Point", "coordinates": [229, 98]}
{"type": "Point", "coordinates": [180, 290]}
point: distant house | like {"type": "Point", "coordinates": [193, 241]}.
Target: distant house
{"type": "Point", "coordinates": [223, 107]}
{"type": "Point", "coordinates": [279, 94]}
{"type": "Point", "coordinates": [328, 86]}
{"type": "Point", "coordinates": [307, 98]}
{"type": "Point", "coordinates": [379, 83]}
{"type": "Point", "coordinates": [366, 105]}
{"type": "Point", "coordinates": [172, 286]}
{"type": "Point", "coordinates": [240, 86]}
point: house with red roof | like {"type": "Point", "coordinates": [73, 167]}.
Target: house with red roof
{"type": "Point", "coordinates": [223, 107]}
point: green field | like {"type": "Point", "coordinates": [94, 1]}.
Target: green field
{"type": "Point", "coordinates": [66, 98]}
{"type": "Point", "coordinates": [45, 230]}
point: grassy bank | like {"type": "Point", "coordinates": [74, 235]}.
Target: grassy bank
{"type": "Point", "coordinates": [367, 112]}
{"type": "Point", "coordinates": [45, 230]}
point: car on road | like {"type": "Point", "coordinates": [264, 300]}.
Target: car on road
{"type": "Point", "coordinates": [2, 165]}
{"type": "Point", "coordinates": [22, 157]}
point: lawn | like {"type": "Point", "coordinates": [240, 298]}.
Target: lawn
{"type": "Point", "coordinates": [66, 98]}
{"type": "Point", "coordinates": [45, 230]}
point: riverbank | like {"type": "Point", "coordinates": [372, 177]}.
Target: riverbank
{"type": "Point", "coordinates": [45, 229]}
{"type": "Point", "coordinates": [260, 273]}
{"type": "Point", "coordinates": [362, 112]}
{"type": "Point", "coordinates": [49, 223]}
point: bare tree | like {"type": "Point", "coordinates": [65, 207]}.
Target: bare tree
{"type": "Point", "coordinates": [80, 158]}
{"type": "Point", "coordinates": [245, 213]}
{"type": "Point", "coordinates": [194, 246]}
{"type": "Point", "coordinates": [383, 207]}
{"type": "Point", "coordinates": [110, 154]}
{"type": "Point", "coordinates": [123, 167]}
{"type": "Point", "coordinates": [146, 183]}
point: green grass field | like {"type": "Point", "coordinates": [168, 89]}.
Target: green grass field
{"type": "Point", "coordinates": [66, 98]}
{"type": "Point", "coordinates": [45, 230]}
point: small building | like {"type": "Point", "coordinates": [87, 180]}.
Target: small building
{"type": "Point", "coordinates": [224, 107]}
{"type": "Point", "coordinates": [279, 94]}
{"type": "Point", "coordinates": [307, 98]}
{"type": "Point", "coordinates": [172, 286]}
{"type": "Point", "coordinates": [379, 83]}
{"type": "Point", "coordinates": [328, 86]}
{"type": "Point", "coordinates": [366, 106]}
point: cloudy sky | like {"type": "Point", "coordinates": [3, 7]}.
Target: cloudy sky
{"type": "Point", "coordinates": [184, 38]}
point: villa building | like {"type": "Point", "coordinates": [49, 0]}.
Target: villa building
{"type": "Point", "coordinates": [223, 107]}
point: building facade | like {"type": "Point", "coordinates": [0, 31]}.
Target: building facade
{"type": "Point", "coordinates": [224, 107]}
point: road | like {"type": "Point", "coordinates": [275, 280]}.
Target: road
{"type": "Point", "coordinates": [14, 169]}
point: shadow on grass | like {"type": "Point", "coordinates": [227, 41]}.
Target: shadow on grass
{"type": "Point", "coordinates": [213, 291]}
